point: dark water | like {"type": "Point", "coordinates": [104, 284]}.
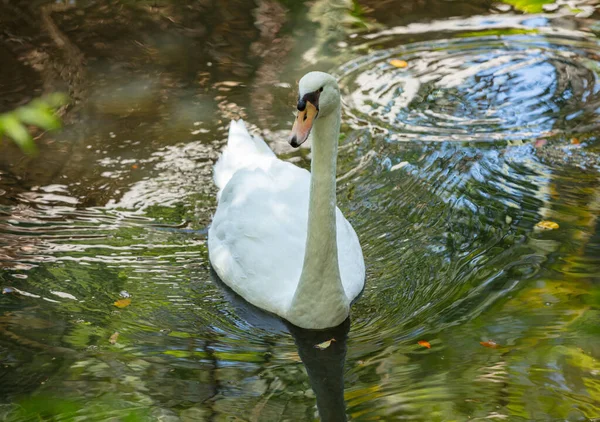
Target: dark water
{"type": "Point", "coordinates": [109, 310]}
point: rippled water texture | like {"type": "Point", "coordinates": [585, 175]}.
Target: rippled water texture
{"type": "Point", "coordinates": [447, 165]}
{"type": "Point", "coordinates": [478, 87]}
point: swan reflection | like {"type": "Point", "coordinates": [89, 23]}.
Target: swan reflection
{"type": "Point", "coordinates": [322, 352]}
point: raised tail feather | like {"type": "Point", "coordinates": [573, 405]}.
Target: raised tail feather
{"type": "Point", "coordinates": [242, 151]}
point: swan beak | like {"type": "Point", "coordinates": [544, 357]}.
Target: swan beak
{"type": "Point", "coordinates": [303, 124]}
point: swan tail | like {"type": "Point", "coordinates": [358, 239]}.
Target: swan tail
{"type": "Point", "coordinates": [242, 151]}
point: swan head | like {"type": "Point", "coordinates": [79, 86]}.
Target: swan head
{"type": "Point", "coordinates": [318, 96]}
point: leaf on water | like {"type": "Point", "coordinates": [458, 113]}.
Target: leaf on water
{"type": "Point", "coordinates": [122, 303]}
{"type": "Point", "coordinates": [401, 64]}
{"type": "Point", "coordinates": [424, 343]}
{"type": "Point", "coordinates": [113, 338]}
{"type": "Point", "coordinates": [324, 345]}
{"type": "Point", "coordinates": [490, 343]}
{"type": "Point", "coordinates": [575, 141]}
{"type": "Point", "coordinates": [134, 166]}
{"type": "Point", "coordinates": [540, 143]}
{"type": "Point", "coordinates": [547, 225]}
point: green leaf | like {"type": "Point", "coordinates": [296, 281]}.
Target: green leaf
{"type": "Point", "coordinates": [41, 117]}
{"type": "Point", "coordinates": [39, 112]}
{"type": "Point", "coordinates": [15, 130]}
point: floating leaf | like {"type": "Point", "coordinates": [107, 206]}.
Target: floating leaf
{"type": "Point", "coordinates": [490, 343]}
{"type": "Point", "coordinates": [401, 64]}
{"type": "Point", "coordinates": [324, 345]}
{"type": "Point", "coordinates": [424, 343]}
{"type": "Point", "coordinates": [540, 143]}
{"type": "Point", "coordinates": [113, 338]}
{"type": "Point", "coordinates": [547, 225]}
{"type": "Point", "coordinates": [122, 303]}
{"type": "Point", "coordinates": [575, 141]}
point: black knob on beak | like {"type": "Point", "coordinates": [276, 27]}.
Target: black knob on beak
{"type": "Point", "coordinates": [301, 104]}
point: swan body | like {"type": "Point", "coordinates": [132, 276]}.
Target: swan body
{"type": "Point", "coordinates": [277, 239]}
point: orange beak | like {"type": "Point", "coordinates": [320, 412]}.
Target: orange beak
{"type": "Point", "coordinates": [303, 124]}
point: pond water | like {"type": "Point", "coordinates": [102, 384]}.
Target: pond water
{"type": "Point", "coordinates": [485, 126]}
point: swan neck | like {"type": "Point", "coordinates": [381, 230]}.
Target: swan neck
{"type": "Point", "coordinates": [320, 300]}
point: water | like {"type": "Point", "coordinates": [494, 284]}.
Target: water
{"type": "Point", "coordinates": [109, 309]}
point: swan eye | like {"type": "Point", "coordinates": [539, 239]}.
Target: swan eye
{"type": "Point", "coordinates": [321, 89]}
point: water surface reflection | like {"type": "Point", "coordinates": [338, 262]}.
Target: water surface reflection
{"type": "Point", "coordinates": [109, 310]}
{"type": "Point", "coordinates": [323, 352]}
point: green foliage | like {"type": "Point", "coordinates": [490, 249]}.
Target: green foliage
{"type": "Point", "coordinates": [40, 113]}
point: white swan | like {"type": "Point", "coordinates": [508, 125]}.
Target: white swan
{"type": "Point", "coordinates": [277, 238]}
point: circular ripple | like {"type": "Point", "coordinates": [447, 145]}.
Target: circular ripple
{"type": "Point", "coordinates": [476, 89]}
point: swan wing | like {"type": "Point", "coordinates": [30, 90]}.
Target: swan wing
{"type": "Point", "coordinates": [242, 151]}
{"type": "Point", "coordinates": [350, 257]}
{"type": "Point", "coordinates": [258, 234]}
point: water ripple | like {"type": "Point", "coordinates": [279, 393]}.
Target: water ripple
{"type": "Point", "coordinates": [476, 88]}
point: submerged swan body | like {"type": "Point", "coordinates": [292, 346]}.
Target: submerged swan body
{"type": "Point", "coordinates": [277, 238]}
